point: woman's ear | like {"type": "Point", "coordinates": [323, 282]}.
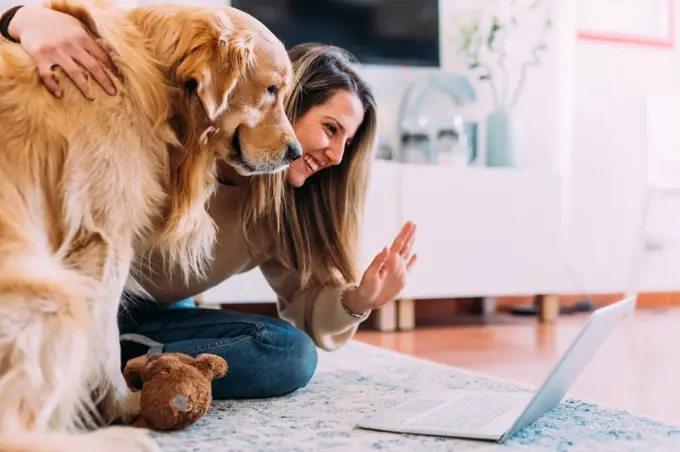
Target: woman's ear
{"type": "Point", "coordinates": [213, 70]}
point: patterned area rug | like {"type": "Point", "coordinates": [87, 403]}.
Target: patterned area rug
{"type": "Point", "coordinates": [360, 379]}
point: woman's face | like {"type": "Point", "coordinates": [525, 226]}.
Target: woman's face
{"type": "Point", "coordinates": [324, 132]}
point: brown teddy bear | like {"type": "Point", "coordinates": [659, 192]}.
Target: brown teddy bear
{"type": "Point", "coordinates": [176, 388]}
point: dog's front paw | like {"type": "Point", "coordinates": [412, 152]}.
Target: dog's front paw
{"type": "Point", "coordinates": [129, 407]}
{"type": "Point", "coordinates": [119, 406]}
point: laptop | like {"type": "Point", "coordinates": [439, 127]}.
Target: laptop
{"type": "Point", "coordinates": [496, 416]}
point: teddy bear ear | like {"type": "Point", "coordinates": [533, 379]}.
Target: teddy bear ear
{"type": "Point", "coordinates": [133, 374]}
{"type": "Point", "coordinates": [212, 366]}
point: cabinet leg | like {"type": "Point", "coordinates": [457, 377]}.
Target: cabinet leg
{"type": "Point", "coordinates": [548, 308]}
{"type": "Point", "coordinates": [386, 318]}
{"type": "Point", "coordinates": [406, 314]}
{"type": "Point", "coordinates": [488, 306]}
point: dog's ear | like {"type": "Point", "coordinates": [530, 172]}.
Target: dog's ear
{"type": "Point", "coordinates": [213, 69]}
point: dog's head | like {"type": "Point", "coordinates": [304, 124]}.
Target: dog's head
{"type": "Point", "coordinates": [239, 74]}
{"type": "Point", "coordinates": [229, 76]}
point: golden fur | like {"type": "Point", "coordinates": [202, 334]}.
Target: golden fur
{"type": "Point", "coordinates": [88, 187]}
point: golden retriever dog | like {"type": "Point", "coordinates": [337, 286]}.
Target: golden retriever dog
{"type": "Point", "coordinates": [88, 187]}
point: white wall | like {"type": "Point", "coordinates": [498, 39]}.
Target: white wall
{"type": "Point", "coordinates": [611, 82]}
{"type": "Point", "coordinates": [5, 4]}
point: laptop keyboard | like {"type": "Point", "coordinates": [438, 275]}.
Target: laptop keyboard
{"type": "Point", "coordinates": [418, 406]}
{"type": "Point", "coordinates": [470, 411]}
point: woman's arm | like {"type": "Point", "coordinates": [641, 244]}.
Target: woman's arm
{"type": "Point", "coordinates": [57, 39]}
{"type": "Point", "coordinates": [317, 310]}
{"type": "Point", "coordinates": [330, 315]}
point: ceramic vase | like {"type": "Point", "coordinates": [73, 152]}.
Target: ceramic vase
{"type": "Point", "coordinates": [502, 138]}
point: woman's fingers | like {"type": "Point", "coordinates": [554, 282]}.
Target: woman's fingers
{"type": "Point", "coordinates": [408, 246]}
{"type": "Point", "coordinates": [45, 59]}
{"type": "Point", "coordinates": [95, 49]}
{"type": "Point", "coordinates": [57, 39]}
{"type": "Point", "coordinates": [402, 238]}
{"type": "Point", "coordinates": [78, 64]}
{"type": "Point", "coordinates": [393, 263]}
{"type": "Point", "coordinates": [379, 261]}
{"type": "Point", "coordinates": [96, 69]}
{"type": "Point", "coordinates": [411, 262]}
{"type": "Point", "coordinates": [396, 262]}
{"type": "Point", "coordinates": [47, 77]}
{"type": "Point", "coordinates": [76, 73]}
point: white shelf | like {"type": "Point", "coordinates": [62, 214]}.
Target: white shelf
{"type": "Point", "coordinates": [481, 231]}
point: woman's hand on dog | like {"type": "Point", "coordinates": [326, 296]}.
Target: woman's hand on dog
{"type": "Point", "coordinates": [56, 39]}
{"type": "Point", "coordinates": [386, 277]}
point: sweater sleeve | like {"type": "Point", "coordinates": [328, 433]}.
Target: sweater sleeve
{"type": "Point", "coordinates": [316, 309]}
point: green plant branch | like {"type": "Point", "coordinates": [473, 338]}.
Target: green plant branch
{"type": "Point", "coordinates": [497, 46]}
{"type": "Point", "coordinates": [535, 61]}
{"type": "Point", "coordinates": [489, 77]}
{"type": "Point", "coordinates": [494, 39]}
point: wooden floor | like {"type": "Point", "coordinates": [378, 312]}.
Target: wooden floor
{"type": "Point", "coordinates": [637, 369]}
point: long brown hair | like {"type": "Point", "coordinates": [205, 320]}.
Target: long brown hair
{"type": "Point", "coordinates": [317, 229]}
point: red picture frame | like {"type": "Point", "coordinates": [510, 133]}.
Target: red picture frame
{"type": "Point", "coordinates": [667, 41]}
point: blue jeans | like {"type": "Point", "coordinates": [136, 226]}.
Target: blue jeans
{"type": "Point", "coordinates": [267, 357]}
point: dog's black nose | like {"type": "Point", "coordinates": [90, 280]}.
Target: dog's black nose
{"type": "Point", "coordinates": [294, 152]}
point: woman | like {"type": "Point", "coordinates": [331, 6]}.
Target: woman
{"type": "Point", "coordinates": [308, 258]}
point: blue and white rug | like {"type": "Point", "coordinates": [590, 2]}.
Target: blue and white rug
{"type": "Point", "coordinates": [359, 379]}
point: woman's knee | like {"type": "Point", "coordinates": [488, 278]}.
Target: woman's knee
{"type": "Point", "coordinates": [278, 361]}
{"type": "Point", "coordinates": [298, 357]}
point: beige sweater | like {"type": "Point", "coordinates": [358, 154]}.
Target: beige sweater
{"type": "Point", "coordinates": [315, 309]}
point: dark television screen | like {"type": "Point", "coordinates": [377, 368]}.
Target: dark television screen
{"type": "Point", "coordinates": [392, 32]}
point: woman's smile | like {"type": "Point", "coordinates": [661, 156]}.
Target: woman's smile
{"type": "Point", "coordinates": [312, 163]}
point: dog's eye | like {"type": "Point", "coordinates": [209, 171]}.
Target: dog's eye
{"type": "Point", "coordinates": [273, 90]}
